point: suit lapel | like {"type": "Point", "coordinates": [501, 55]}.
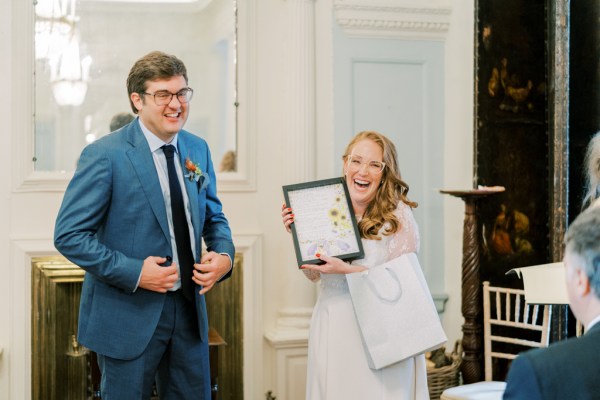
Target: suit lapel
{"type": "Point", "coordinates": [143, 163]}
{"type": "Point", "coordinates": [191, 186]}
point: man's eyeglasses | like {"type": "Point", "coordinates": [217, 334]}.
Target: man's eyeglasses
{"type": "Point", "coordinates": [355, 163]}
{"type": "Point", "coordinates": [164, 97]}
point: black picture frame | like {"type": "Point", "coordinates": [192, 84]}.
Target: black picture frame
{"type": "Point", "coordinates": [324, 221]}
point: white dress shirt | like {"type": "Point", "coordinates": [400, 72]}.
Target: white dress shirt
{"type": "Point", "coordinates": [160, 162]}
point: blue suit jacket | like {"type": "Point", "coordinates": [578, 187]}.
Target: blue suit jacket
{"type": "Point", "coordinates": [112, 217]}
{"type": "Point", "coordinates": [568, 369]}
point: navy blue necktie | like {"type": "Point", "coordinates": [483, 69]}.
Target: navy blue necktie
{"type": "Point", "coordinates": [180, 226]}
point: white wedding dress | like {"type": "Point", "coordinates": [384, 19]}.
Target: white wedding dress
{"type": "Point", "coordinates": [337, 363]}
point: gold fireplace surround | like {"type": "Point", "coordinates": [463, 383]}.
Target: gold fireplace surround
{"type": "Point", "coordinates": [61, 368]}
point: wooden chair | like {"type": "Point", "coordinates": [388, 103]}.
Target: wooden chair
{"type": "Point", "coordinates": [510, 326]}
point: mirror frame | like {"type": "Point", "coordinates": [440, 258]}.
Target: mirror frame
{"type": "Point", "coordinates": [27, 179]}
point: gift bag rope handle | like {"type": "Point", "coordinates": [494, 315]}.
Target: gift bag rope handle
{"type": "Point", "coordinates": [391, 299]}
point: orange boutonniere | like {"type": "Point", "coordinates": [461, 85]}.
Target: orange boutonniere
{"type": "Point", "coordinates": [194, 171]}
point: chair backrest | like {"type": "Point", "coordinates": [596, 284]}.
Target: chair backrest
{"type": "Point", "coordinates": [525, 325]}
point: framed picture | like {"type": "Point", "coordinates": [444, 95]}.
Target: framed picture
{"type": "Point", "coordinates": [324, 221]}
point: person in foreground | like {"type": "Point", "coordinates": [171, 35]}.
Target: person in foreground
{"type": "Point", "coordinates": [133, 217]}
{"type": "Point", "coordinates": [337, 363]}
{"type": "Point", "coordinates": [568, 369]}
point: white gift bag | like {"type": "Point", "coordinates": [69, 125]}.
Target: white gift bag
{"type": "Point", "coordinates": [395, 311]}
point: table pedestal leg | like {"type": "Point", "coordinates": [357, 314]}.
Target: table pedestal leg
{"type": "Point", "coordinates": [471, 296]}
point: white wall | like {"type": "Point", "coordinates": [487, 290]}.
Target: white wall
{"type": "Point", "coordinates": [5, 206]}
{"type": "Point", "coordinates": [458, 152]}
{"type": "Point", "coordinates": [287, 104]}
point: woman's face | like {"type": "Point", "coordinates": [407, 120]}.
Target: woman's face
{"type": "Point", "coordinates": [363, 176]}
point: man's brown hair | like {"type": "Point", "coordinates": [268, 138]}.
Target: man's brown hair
{"type": "Point", "coordinates": [153, 66]}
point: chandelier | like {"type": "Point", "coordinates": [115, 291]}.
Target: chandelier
{"type": "Point", "coordinates": [57, 43]}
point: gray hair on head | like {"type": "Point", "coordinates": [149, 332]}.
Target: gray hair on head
{"type": "Point", "coordinates": [583, 240]}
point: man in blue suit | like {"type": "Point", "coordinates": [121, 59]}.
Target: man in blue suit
{"type": "Point", "coordinates": [568, 369]}
{"type": "Point", "coordinates": [133, 217]}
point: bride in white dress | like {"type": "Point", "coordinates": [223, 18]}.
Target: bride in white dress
{"type": "Point", "coordinates": [337, 363]}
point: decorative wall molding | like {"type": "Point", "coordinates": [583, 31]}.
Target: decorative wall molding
{"type": "Point", "coordinates": [440, 302]}
{"type": "Point", "coordinates": [43, 182]}
{"type": "Point", "coordinates": [291, 377]}
{"type": "Point", "coordinates": [368, 18]}
{"type": "Point", "coordinates": [301, 76]}
{"type": "Point", "coordinates": [244, 179]}
{"type": "Point", "coordinates": [291, 330]}
{"type": "Point", "coordinates": [251, 248]}
{"type": "Point", "coordinates": [22, 250]}
{"type": "Point", "coordinates": [23, 61]}
{"type": "Point", "coordinates": [170, 6]}
{"type": "Point", "coordinates": [289, 341]}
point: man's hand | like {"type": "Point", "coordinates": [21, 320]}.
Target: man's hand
{"type": "Point", "coordinates": [157, 278]}
{"type": "Point", "coordinates": [211, 268]}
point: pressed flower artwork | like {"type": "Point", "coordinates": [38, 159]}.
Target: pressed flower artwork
{"type": "Point", "coordinates": [323, 221]}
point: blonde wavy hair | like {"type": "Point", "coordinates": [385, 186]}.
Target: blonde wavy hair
{"type": "Point", "coordinates": [391, 191]}
{"type": "Point", "coordinates": [592, 175]}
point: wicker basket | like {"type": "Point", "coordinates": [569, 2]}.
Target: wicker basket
{"type": "Point", "coordinates": [440, 379]}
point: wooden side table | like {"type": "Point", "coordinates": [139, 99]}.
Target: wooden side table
{"type": "Point", "coordinates": [471, 307]}
{"type": "Point", "coordinates": [214, 342]}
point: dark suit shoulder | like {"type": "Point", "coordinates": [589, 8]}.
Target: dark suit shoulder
{"type": "Point", "coordinates": [568, 368]}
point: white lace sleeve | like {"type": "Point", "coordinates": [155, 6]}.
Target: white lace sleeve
{"type": "Point", "coordinates": [314, 276]}
{"type": "Point", "coordinates": [406, 239]}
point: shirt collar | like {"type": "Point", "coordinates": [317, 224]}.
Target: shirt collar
{"type": "Point", "coordinates": [153, 141]}
{"type": "Point", "coordinates": [592, 323]}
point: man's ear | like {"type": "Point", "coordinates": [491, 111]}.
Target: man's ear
{"type": "Point", "coordinates": [137, 100]}
{"type": "Point", "coordinates": [583, 283]}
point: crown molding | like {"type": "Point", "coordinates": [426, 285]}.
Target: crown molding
{"type": "Point", "coordinates": [368, 18]}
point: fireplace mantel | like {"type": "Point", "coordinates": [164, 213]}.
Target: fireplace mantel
{"type": "Point", "coordinates": [23, 251]}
